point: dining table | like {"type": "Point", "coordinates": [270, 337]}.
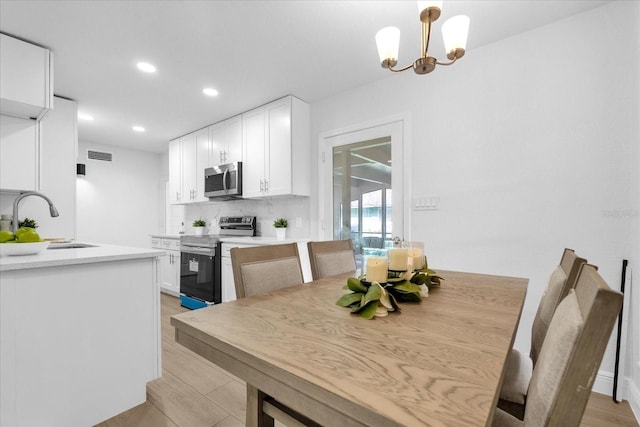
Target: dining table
{"type": "Point", "coordinates": [438, 362]}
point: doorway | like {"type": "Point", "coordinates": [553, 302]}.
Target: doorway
{"type": "Point", "coordinates": [363, 189]}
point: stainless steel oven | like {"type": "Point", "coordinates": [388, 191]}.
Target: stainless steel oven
{"type": "Point", "coordinates": [200, 262]}
{"type": "Point", "coordinates": [223, 182]}
{"type": "Point", "coordinates": [200, 268]}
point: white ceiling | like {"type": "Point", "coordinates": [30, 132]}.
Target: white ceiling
{"type": "Point", "coordinates": [251, 51]}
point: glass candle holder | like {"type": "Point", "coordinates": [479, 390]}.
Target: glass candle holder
{"type": "Point", "coordinates": [415, 254]}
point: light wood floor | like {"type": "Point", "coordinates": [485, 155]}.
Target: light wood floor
{"type": "Point", "coordinates": [194, 392]}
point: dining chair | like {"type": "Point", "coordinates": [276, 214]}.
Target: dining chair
{"type": "Point", "coordinates": [519, 366]}
{"type": "Point", "coordinates": [570, 355]}
{"type": "Point", "coordinates": [331, 257]}
{"type": "Point", "coordinates": [261, 269]}
{"type": "Point", "coordinates": [258, 270]}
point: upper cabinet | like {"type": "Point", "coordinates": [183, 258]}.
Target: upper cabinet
{"type": "Point", "coordinates": [189, 156]}
{"type": "Point", "coordinates": [19, 154]}
{"type": "Point", "coordinates": [276, 147]}
{"type": "Point", "coordinates": [26, 79]}
{"type": "Point", "coordinates": [272, 141]}
{"type": "Point", "coordinates": [226, 141]}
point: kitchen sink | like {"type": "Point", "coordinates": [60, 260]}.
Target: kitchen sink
{"type": "Point", "coordinates": [70, 246]}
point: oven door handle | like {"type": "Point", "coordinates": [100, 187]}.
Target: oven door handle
{"type": "Point", "coordinates": [198, 251]}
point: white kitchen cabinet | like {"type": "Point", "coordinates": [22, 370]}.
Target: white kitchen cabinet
{"type": "Point", "coordinates": [228, 286]}
{"type": "Point", "coordinates": [275, 139]}
{"type": "Point", "coordinates": [226, 141]}
{"type": "Point", "coordinates": [169, 264]}
{"type": "Point", "coordinates": [19, 154]}
{"type": "Point", "coordinates": [188, 158]}
{"type": "Point", "coordinates": [26, 78]}
{"type": "Point", "coordinates": [59, 152]}
{"type": "Point", "coordinates": [175, 172]}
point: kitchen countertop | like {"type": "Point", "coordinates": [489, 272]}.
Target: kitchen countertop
{"type": "Point", "coordinates": [69, 256]}
{"type": "Point", "coordinates": [260, 240]}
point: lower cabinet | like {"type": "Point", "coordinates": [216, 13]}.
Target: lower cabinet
{"type": "Point", "coordinates": [169, 264]}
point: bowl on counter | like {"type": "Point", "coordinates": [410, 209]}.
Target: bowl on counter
{"type": "Point", "coordinates": [23, 248]}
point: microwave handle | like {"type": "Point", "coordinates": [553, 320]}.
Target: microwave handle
{"type": "Point", "coordinates": [224, 179]}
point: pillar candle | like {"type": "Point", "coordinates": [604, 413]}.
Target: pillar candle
{"type": "Point", "coordinates": [398, 259]}
{"type": "Point", "coordinates": [376, 269]}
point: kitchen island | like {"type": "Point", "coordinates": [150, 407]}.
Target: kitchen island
{"type": "Point", "coordinates": [79, 334]}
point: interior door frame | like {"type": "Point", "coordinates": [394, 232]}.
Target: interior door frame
{"type": "Point", "coordinates": [398, 127]}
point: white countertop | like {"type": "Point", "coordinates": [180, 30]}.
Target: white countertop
{"type": "Point", "coordinates": [260, 240]}
{"type": "Point", "coordinates": [69, 256]}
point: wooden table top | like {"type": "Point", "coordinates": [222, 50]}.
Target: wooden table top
{"type": "Point", "coordinates": [439, 362]}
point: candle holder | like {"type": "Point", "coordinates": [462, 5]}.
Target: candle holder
{"type": "Point", "coordinates": [376, 269]}
{"type": "Point", "coordinates": [415, 255]}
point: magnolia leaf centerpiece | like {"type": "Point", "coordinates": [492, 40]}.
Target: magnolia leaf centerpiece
{"type": "Point", "coordinates": [374, 299]}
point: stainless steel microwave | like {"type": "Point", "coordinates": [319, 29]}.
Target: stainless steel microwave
{"type": "Point", "coordinates": [223, 182]}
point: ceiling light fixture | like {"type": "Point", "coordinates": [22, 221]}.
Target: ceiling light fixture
{"type": "Point", "coordinates": [138, 128]}
{"type": "Point", "coordinates": [454, 33]}
{"type": "Point", "coordinates": [87, 117]}
{"type": "Point", "coordinates": [210, 91]}
{"type": "Point", "coordinates": [146, 67]}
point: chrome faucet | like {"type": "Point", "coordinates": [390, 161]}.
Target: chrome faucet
{"type": "Point", "coordinates": [52, 209]}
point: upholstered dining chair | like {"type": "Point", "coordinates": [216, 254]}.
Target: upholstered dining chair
{"type": "Point", "coordinates": [570, 355]}
{"type": "Point", "coordinates": [331, 257]}
{"type": "Point", "coordinates": [261, 269]}
{"type": "Point", "coordinates": [258, 270]}
{"type": "Point", "coordinates": [519, 366]}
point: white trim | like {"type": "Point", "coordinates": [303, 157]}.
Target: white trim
{"type": "Point", "coordinates": [367, 130]}
{"type": "Point", "coordinates": [634, 399]}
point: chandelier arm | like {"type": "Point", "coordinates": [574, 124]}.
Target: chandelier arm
{"type": "Point", "coordinates": [402, 69]}
{"type": "Point", "coordinates": [426, 38]}
{"type": "Point", "coordinates": [447, 63]}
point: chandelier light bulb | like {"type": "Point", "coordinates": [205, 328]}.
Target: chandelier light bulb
{"type": "Point", "coordinates": [454, 33]}
{"type": "Point", "coordinates": [388, 41]}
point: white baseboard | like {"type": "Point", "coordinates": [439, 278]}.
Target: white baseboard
{"type": "Point", "coordinates": [633, 396]}
{"type": "Point", "coordinates": [604, 384]}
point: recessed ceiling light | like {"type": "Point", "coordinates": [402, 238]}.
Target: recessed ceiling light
{"type": "Point", "coordinates": [146, 67]}
{"type": "Point", "coordinates": [84, 116]}
{"type": "Point", "coordinates": [138, 128]}
{"type": "Point", "coordinates": [210, 91]}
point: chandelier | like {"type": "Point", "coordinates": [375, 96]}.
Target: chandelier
{"type": "Point", "coordinates": [454, 34]}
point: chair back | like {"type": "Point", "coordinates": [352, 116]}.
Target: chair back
{"type": "Point", "coordinates": [331, 257]}
{"type": "Point", "coordinates": [562, 280]}
{"type": "Point", "coordinates": [262, 269]}
{"type": "Point", "coordinates": [572, 352]}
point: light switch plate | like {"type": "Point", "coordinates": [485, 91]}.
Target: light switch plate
{"type": "Point", "coordinates": [426, 203]}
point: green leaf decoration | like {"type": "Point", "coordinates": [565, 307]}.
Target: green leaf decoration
{"type": "Point", "coordinates": [406, 287]}
{"type": "Point", "coordinates": [420, 279]}
{"type": "Point", "coordinates": [373, 294]}
{"type": "Point", "coordinates": [394, 302]}
{"type": "Point", "coordinates": [349, 299]}
{"type": "Point", "coordinates": [356, 285]}
{"type": "Point", "coordinates": [395, 279]}
{"type": "Point", "coordinates": [406, 297]}
{"type": "Point", "coordinates": [369, 310]}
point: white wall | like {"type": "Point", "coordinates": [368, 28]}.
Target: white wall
{"type": "Point", "coordinates": [120, 202]}
{"type": "Point", "coordinates": [531, 144]}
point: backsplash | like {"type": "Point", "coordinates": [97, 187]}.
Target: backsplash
{"type": "Point", "coordinates": [294, 209]}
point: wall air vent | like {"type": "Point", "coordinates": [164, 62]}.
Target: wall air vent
{"type": "Point", "coordinates": [99, 155]}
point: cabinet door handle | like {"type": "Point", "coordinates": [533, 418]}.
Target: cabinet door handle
{"type": "Point", "coordinates": [221, 157]}
{"type": "Point", "coordinates": [177, 196]}
{"type": "Point", "coordinates": [261, 186]}
{"type": "Point", "coordinates": [266, 185]}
